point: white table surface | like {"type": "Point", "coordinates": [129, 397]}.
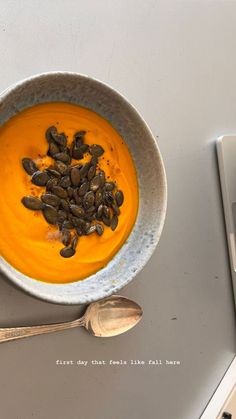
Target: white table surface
{"type": "Point", "coordinates": [176, 62]}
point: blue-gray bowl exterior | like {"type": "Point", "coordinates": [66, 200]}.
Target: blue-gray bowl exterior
{"type": "Point", "coordinates": [134, 254]}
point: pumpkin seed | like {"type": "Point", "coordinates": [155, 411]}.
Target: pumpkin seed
{"type": "Point", "coordinates": [78, 199]}
{"type": "Point", "coordinates": [50, 214]}
{"type": "Point", "coordinates": [67, 252]}
{"type": "Point", "coordinates": [86, 226]}
{"type": "Point", "coordinates": [83, 188]}
{"type": "Point", "coordinates": [91, 172]}
{"type": "Point", "coordinates": [66, 237]}
{"type": "Point", "coordinates": [114, 222]}
{"type": "Point", "coordinates": [109, 186]}
{"type": "Point", "coordinates": [50, 199]}
{"type": "Point", "coordinates": [71, 149]}
{"type": "Point", "coordinates": [59, 138]}
{"type": "Point", "coordinates": [91, 217]}
{"type": "Point", "coordinates": [91, 230]}
{"type": "Point", "coordinates": [67, 225]}
{"type": "Point", "coordinates": [40, 178]}
{"type": "Point", "coordinates": [84, 170]}
{"type": "Point", "coordinates": [32, 203]}
{"type": "Point", "coordinates": [51, 131]}
{"type": "Point", "coordinates": [109, 198]}
{"type": "Point", "coordinates": [96, 150]}
{"type": "Point", "coordinates": [106, 211]}
{"type": "Point", "coordinates": [101, 174]}
{"type": "Point", "coordinates": [75, 176]}
{"type": "Point", "coordinates": [75, 220]}
{"type": "Point", "coordinates": [99, 229]}
{"type": "Point", "coordinates": [91, 210]}
{"type": "Point", "coordinates": [51, 183]}
{"type": "Point", "coordinates": [77, 211]}
{"type": "Point", "coordinates": [79, 231]}
{"type": "Point", "coordinates": [100, 211]}
{"type": "Point", "coordinates": [53, 172]}
{"type": "Point", "coordinates": [67, 151]}
{"type": "Point", "coordinates": [70, 191]}
{"type": "Point", "coordinates": [89, 199]}
{"type": "Point", "coordinates": [74, 241]}
{"type": "Point", "coordinates": [115, 209]}
{"type": "Point", "coordinates": [106, 221]}
{"type": "Point", "coordinates": [94, 161]}
{"type": "Point", "coordinates": [95, 183]}
{"type": "Point", "coordinates": [81, 223]}
{"type": "Point", "coordinates": [84, 148]}
{"type": "Point", "coordinates": [98, 197]}
{"type": "Point", "coordinates": [53, 149]}
{"type": "Point", "coordinates": [62, 157]}
{"type": "Point", "coordinates": [77, 153]}
{"type": "Point", "coordinates": [79, 137]}
{"type": "Point", "coordinates": [29, 165]}
{"type": "Point", "coordinates": [77, 166]}
{"type": "Point", "coordinates": [62, 216]}
{"type": "Point", "coordinates": [65, 182]}
{"type": "Point", "coordinates": [61, 167]}
{"type": "Point", "coordinates": [119, 198]}
{"type": "Point", "coordinates": [59, 191]}
{"type": "Point", "coordinates": [64, 205]}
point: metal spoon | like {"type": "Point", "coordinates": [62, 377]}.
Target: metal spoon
{"type": "Point", "coordinates": [108, 317]}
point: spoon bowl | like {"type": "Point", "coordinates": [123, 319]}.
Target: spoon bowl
{"type": "Point", "coordinates": [112, 316]}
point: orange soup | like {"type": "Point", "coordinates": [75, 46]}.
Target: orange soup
{"type": "Point", "coordinates": [27, 242]}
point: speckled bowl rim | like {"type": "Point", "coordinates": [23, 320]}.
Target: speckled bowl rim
{"type": "Point", "coordinates": [61, 299]}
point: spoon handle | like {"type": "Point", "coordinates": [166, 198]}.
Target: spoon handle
{"type": "Point", "coordinates": [12, 333]}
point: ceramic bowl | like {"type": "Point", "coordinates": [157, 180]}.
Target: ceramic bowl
{"type": "Point", "coordinates": [134, 254]}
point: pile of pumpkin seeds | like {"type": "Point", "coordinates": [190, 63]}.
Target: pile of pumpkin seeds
{"type": "Point", "coordinates": [77, 198]}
